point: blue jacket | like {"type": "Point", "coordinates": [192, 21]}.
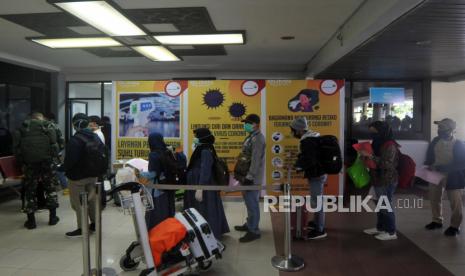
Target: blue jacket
{"type": "Point", "coordinates": [455, 170]}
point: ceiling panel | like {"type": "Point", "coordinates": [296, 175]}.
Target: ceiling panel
{"type": "Point", "coordinates": [428, 42]}
{"type": "Point", "coordinates": [312, 22]}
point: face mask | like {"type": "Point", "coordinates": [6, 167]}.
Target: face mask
{"type": "Point", "coordinates": [196, 141]}
{"type": "Point", "coordinates": [248, 128]}
{"type": "Point", "coordinates": [444, 134]}
{"type": "Point", "coordinates": [294, 134]}
{"type": "Point", "coordinates": [374, 135]}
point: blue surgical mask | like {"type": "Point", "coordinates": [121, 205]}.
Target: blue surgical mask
{"type": "Point", "coordinates": [196, 141]}
{"type": "Point", "coordinates": [248, 128]}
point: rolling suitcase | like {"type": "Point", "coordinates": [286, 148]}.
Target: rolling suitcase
{"type": "Point", "coordinates": [202, 242]}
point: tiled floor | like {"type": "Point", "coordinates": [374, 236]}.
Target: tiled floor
{"type": "Point", "coordinates": [45, 250]}
{"type": "Point", "coordinates": [450, 252]}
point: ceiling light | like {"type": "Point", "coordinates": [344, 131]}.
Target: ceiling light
{"type": "Point", "coordinates": [85, 42]}
{"type": "Point", "coordinates": [203, 39]}
{"type": "Point", "coordinates": [102, 16]}
{"type": "Point", "coordinates": [156, 53]}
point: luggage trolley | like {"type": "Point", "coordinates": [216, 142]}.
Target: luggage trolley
{"type": "Point", "coordinates": [134, 203]}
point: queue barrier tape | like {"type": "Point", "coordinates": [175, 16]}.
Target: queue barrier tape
{"type": "Point", "coordinates": [211, 187]}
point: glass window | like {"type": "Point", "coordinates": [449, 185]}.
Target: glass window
{"type": "Point", "coordinates": [85, 90]}
{"type": "Point", "coordinates": [398, 103]}
{"type": "Point", "coordinates": [19, 104]}
{"type": "Point", "coordinates": [3, 106]}
{"type": "Point", "coordinates": [107, 104]}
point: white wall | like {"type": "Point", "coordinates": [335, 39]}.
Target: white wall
{"type": "Point", "coordinates": [448, 100]}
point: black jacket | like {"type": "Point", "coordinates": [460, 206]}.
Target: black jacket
{"type": "Point", "coordinates": [75, 155]}
{"type": "Point", "coordinates": [308, 158]}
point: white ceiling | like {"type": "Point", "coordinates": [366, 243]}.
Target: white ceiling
{"type": "Point", "coordinates": [312, 22]}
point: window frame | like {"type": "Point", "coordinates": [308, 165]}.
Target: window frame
{"type": "Point", "coordinates": [424, 103]}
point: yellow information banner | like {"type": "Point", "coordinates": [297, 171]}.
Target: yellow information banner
{"type": "Point", "coordinates": [319, 102]}
{"type": "Point", "coordinates": [220, 106]}
{"type": "Point", "coordinates": [144, 107]}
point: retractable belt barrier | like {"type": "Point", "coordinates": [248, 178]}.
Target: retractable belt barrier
{"type": "Point", "coordinates": [211, 187]}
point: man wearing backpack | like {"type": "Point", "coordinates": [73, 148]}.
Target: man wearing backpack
{"type": "Point", "coordinates": [86, 159]}
{"type": "Point", "coordinates": [308, 162]}
{"type": "Point", "coordinates": [35, 148]}
{"type": "Point", "coordinates": [249, 171]}
{"type": "Point", "coordinates": [446, 155]}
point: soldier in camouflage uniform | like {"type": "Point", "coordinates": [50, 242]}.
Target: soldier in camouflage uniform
{"type": "Point", "coordinates": [35, 148]}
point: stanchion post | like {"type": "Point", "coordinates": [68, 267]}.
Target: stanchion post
{"type": "Point", "coordinates": [99, 271]}
{"type": "Point", "coordinates": [98, 230]}
{"type": "Point", "coordinates": [288, 262]}
{"type": "Point", "coordinates": [85, 234]}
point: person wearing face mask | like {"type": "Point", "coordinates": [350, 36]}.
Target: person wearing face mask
{"type": "Point", "coordinates": [75, 170]}
{"type": "Point", "coordinates": [446, 155]}
{"type": "Point", "coordinates": [384, 178]}
{"type": "Point", "coordinates": [251, 172]}
{"type": "Point", "coordinates": [200, 172]}
{"type": "Point", "coordinates": [308, 162]}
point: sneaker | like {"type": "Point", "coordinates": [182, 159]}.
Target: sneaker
{"type": "Point", "coordinates": [433, 225]}
{"type": "Point", "coordinates": [373, 231]}
{"type": "Point", "coordinates": [92, 227]}
{"type": "Point", "coordinates": [74, 234]}
{"type": "Point", "coordinates": [315, 235]}
{"type": "Point", "coordinates": [311, 225]}
{"type": "Point", "coordinates": [386, 236]}
{"type": "Point", "coordinates": [249, 236]}
{"type": "Point", "coordinates": [66, 192]}
{"type": "Point", "coordinates": [452, 232]}
{"type": "Point", "coordinates": [241, 228]}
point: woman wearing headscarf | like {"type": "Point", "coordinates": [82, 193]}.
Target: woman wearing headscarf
{"type": "Point", "coordinates": [384, 178]}
{"type": "Point", "coordinates": [200, 172]}
{"type": "Point", "coordinates": [163, 200]}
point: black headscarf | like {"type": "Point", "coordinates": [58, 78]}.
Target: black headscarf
{"type": "Point", "coordinates": [206, 140]}
{"type": "Point", "coordinates": [156, 142]}
{"type": "Point", "coordinates": [384, 135]}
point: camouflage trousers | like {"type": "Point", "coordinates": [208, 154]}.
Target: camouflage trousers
{"type": "Point", "coordinates": [33, 176]}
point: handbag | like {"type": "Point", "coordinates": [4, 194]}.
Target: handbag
{"type": "Point", "coordinates": [359, 174]}
{"type": "Point", "coordinates": [242, 167]}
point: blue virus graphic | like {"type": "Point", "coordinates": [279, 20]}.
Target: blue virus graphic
{"type": "Point", "coordinates": [213, 98]}
{"type": "Point", "coordinates": [237, 110]}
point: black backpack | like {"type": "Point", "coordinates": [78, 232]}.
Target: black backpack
{"type": "Point", "coordinates": [220, 171]}
{"type": "Point", "coordinates": [174, 166]}
{"type": "Point", "coordinates": [330, 157]}
{"type": "Point", "coordinates": [95, 161]}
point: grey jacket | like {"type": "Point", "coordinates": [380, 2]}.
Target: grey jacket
{"type": "Point", "coordinates": [255, 145]}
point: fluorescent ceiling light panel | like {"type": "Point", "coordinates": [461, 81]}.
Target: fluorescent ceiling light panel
{"type": "Point", "coordinates": [156, 53]}
{"type": "Point", "coordinates": [102, 16]}
{"type": "Point", "coordinates": [85, 42]}
{"type": "Point", "coordinates": [204, 39]}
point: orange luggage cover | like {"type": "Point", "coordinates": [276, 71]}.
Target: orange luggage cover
{"type": "Point", "coordinates": [163, 237]}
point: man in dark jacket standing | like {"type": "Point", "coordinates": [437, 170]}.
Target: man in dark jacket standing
{"type": "Point", "coordinates": [307, 161]}
{"type": "Point", "coordinates": [79, 181]}
{"type": "Point", "coordinates": [253, 150]}
{"type": "Point", "coordinates": [35, 148]}
{"type": "Point", "coordinates": [447, 155]}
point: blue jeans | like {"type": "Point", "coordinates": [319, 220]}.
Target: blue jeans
{"type": "Point", "coordinates": [386, 220]}
{"type": "Point", "coordinates": [251, 199]}
{"type": "Point", "coordinates": [317, 185]}
{"type": "Point", "coordinates": [62, 179]}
